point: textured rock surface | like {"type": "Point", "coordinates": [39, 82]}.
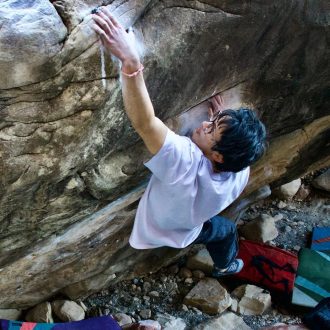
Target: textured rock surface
{"type": "Point", "coordinates": [68, 311]}
{"type": "Point", "coordinates": [288, 190]}
{"type": "Point", "coordinates": [201, 261]}
{"type": "Point", "coordinates": [252, 300]}
{"type": "Point", "coordinates": [208, 296]}
{"type": "Point", "coordinates": [67, 149]}
{"type": "Point", "coordinates": [10, 314]}
{"type": "Point", "coordinates": [40, 313]}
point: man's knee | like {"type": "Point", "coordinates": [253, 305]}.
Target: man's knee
{"type": "Point", "coordinates": [223, 227]}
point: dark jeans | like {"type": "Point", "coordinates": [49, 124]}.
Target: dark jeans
{"type": "Point", "coordinates": [220, 238]}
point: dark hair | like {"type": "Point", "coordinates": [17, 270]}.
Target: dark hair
{"type": "Point", "coordinates": [243, 141]}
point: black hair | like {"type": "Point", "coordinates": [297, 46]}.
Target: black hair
{"type": "Point", "coordinates": [243, 141]}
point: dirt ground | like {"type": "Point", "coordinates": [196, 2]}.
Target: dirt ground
{"type": "Point", "coordinates": [163, 292]}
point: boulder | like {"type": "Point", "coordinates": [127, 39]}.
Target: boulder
{"type": "Point", "coordinates": [69, 157]}
{"type": "Point", "coordinates": [227, 321]}
{"type": "Point", "coordinates": [252, 299]}
{"type": "Point", "coordinates": [208, 296]}
{"type": "Point", "coordinates": [68, 311]}
{"type": "Point", "coordinates": [41, 313]}
{"type": "Point", "coordinates": [322, 181]}
{"type": "Point", "coordinates": [261, 229]}
{"type": "Point", "coordinates": [201, 261]}
{"type": "Point", "coordinates": [288, 190]}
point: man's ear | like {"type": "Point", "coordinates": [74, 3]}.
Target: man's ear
{"type": "Point", "coordinates": [217, 157]}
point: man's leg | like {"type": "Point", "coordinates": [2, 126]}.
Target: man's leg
{"type": "Point", "coordinates": [220, 238]}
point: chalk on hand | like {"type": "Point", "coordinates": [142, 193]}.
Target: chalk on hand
{"type": "Point", "coordinates": [95, 10]}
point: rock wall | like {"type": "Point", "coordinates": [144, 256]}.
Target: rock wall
{"type": "Point", "coordinates": [71, 165]}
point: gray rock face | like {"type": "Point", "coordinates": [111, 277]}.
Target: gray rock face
{"type": "Point", "coordinates": [67, 149]}
{"type": "Point", "coordinates": [32, 33]}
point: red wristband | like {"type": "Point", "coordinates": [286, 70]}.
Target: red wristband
{"type": "Point", "coordinates": [130, 75]}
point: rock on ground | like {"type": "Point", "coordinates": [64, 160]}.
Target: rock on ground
{"type": "Point", "coordinates": [302, 193]}
{"type": "Point", "coordinates": [208, 296]}
{"type": "Point", "coordinates": [68, 311]}
{"type": "Point", "coordinates": [143, 325]}
{"type": "Point", "coordinates": [252, 300]}
{"type": "Point", "coordinates": [262, 229]}
{"type": "Point", "coordinates": [41, 313]}
{"type": "Point", "coordinates": [322, 181]}
{"type": "Point", "coordinates": [227, 321]}
{"type": "Point", "coordinates": [10, 314]}
{"type": "Point", "coordinates": [201, 261]}
{"type": "Point", "coordinates": [122, 318]}
{"type": "Point", "coordinates": [169, 322]}
{"type": "Point", "coordinates": [288, 190]}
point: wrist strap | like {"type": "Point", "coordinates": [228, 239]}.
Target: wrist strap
{"type": "Point", "coordinates": [131, 75]}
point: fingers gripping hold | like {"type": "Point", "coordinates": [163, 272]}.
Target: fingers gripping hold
{"type": "Point", "coordinates": [103, 24]}
{"type": "Point", "coordinates": [107, 20]}
{"type": "Point", "coordinates": [115, 39]}
{"type": "Point", "coordinates": [101, 33]}
{"type": "Point", "coordinates": [110, 17]}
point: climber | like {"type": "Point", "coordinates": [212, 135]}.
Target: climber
{"type": "Point", "coordinates": [193, 179]}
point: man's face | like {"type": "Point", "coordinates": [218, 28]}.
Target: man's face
{"type": "Point", "coordinates": [206, 136]}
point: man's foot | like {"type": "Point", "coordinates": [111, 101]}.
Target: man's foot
{"type": "Point", "coordinates": [233, 268]}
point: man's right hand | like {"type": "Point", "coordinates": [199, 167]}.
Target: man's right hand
{"type": "Point", "coordinates": [116, 40]}
{"type": "Point", "coordinates": [136, 98]}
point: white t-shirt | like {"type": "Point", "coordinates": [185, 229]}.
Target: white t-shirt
{"type": "Point", "coordinates": [182, 194]}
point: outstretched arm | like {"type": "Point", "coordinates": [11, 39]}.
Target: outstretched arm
{"type": "Point", "coordinates": [137, 102]}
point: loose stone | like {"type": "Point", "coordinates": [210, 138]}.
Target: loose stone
{"type": "Point", "coordinates": [154, 294]}
{"type": "Point", "coordinates": [185, 272]}
{"type": "Point", "coordinates": [145, 314]}
{"type": "Point", "coordinates": [209, 296]}
{"type": "Point", "coordinates": [198, 274]}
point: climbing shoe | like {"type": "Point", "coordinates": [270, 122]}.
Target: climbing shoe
{"type": "Point", "coordinates": [233, 268]}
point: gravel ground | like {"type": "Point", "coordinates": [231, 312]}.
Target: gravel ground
{"type": "Point", "coordinates": [163, 292]}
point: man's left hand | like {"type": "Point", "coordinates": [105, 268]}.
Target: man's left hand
{"type": "Point", "coordinates": [216, 105]}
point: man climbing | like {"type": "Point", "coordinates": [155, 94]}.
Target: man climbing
{"type": "Point", "coordinates": [193, 179]}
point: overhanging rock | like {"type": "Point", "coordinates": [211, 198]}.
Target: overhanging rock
{"type": "Point", "coordinates": [67, 149]}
